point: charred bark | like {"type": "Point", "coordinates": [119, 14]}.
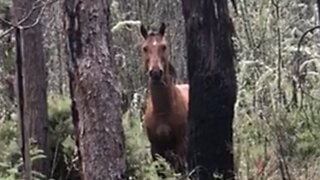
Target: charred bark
{"type": "Point", "coordinates": [96, 101]}
{"type": "Point", "coordinates": [34, 79]}
{"type": "Point", "coordinates": [212, 88]}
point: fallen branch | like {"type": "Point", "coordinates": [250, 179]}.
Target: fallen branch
{"type": "Point", "coordinates": [121, 24]}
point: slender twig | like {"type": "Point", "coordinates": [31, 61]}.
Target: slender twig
{"type": "Point", "coordinates": [246, 24]}
{"type": "Point", "coordinates": [5, 21]}
{"type": "Point", "coordinates": [54, 161]}
{"type": "Point", "coordinates": [196, 171]}
{"type": "Point", "coordinates": [309, 95]}
{"type": "Point", "coordinates": [283, 165]}
{"type": "Point", "coordinates": [296, 82]}
{"type": "Point", "coordinates": [18, 25]}
{"type": "Point", "coordinates": [304, 35]}
{"type": "Point", "coordinates": [308, 123]}
{"type": "Point", "coordinates": [37, 20]}
{"type": "Point", "coordinates": [6, 32]}
{"type": "Point", "coordinates": [277, 8]}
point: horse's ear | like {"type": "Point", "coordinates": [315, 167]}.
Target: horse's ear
{"type": "Point", "coordinates": [143, 31]}
{"type": "Point", "coordinates": [162, 29]}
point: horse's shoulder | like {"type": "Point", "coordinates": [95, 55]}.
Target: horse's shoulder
{"type": "Point", "coordinates": [184, 91]}
{"type": "Point", "coordinates": [183, 86]}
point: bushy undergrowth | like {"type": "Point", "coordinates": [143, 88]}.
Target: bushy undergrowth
{"type": "Point", "coordinates": [277, 117]}
{"type": "Point", "coordinates": [10, 154]}
{"type": "Point", "coordinates": [276, 137]}
{"type": "Point", "coordinates": [265, 145]}
{"type": "Point", "coordinates": [60, 129]}
{"type": "Point", "coordinates": [64, 160]}
{"type": "Point", "coordinates": [62, 145]}
{"type": "Point", "coordinates": [265, 139]}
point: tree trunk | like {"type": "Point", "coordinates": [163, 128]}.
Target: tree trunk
{"type": "Point", "coordinates": [96, 102]}
{"type": "Point", "coordinates": [212, 88]}
{"type": "Point", "coordinates": [24, 128]}
{"type": "Point", "coordinates": [34, 79]}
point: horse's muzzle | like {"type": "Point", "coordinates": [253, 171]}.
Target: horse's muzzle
{"type": "Point", "coordinates": [155, 74]}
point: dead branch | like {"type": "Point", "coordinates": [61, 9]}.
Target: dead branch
{"type": "Point", "coordinates": [304, 35]}
{"type": "Point", "coordinates": [18, 25]}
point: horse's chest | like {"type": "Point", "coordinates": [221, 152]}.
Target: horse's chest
{"type": "Point", "coordinates": [161, 127]}
{"type": "Point", "coordinates": [164, 128]}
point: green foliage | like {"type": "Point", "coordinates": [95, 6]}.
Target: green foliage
{"type": "Point", "coordinates": [9, 151]}
{"type": "Point", "coordinates": [62, 144]}
{"type": "Point", "coordinates": [5, 43]}
{"type": "Point", "coordinates": [10, 155]}
{"type": "Point", "coordinates": [4, 4]}
{"type": "Point", "coordinates": [8, 61]}
{"type": "Point", "coordinates": [60, 117]}
{"type": "Point", "coordinates": [61, 136]}
{"type": "Point", "coordinates": [307, 122]}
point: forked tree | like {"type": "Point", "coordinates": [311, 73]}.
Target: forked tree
{"type": "Point", "coordinates": [34, 110]}
{"type": "Point", "coordinates": [95, 99]}
{"type": "Point", "coordinates": [212, 88]}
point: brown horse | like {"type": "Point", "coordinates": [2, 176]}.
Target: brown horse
{"type": "Point", "coordinates": [165, 117]}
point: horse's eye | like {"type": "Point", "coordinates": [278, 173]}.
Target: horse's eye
{"type": "Point", "coordinates": [145, 49]}
{"type": "Point", "coordinates": [163, 48]}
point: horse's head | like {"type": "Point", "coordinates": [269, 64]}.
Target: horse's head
{"type": "Point", "coordinates": [154, 53]}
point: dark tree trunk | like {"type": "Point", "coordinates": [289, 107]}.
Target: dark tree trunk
{"type": "Point", "coordinates": [212, 88]}
{"type": "Point", "coordinates": [34, 80]}
{"type": "Point", "coordinates": [96, 101]}
{"type": "Point", "coordinates": [24, 129]}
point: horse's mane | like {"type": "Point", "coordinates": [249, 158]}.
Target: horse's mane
{"type": "Point", "coordinates": [172, 72]}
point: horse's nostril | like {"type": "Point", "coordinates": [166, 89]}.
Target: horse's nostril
{"type": "Point", "coordinates": [160, 73]}
{"type": "Point", "coordinates": [155, 74]}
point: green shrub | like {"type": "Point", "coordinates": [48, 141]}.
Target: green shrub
{"type": "Point", "coordinates": [10, 155]}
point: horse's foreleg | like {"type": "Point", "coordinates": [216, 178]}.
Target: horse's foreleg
{"type": "Point", "coordinates": [155, 150]}
{"type": "Point", "coordinates": [180, 153]}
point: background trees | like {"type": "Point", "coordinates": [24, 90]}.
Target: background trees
{"type": "Point", "coordinates": [276, 114]}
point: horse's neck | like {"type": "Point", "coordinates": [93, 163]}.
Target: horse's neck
{"type": "Point", "coordinates": [162, 96]}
